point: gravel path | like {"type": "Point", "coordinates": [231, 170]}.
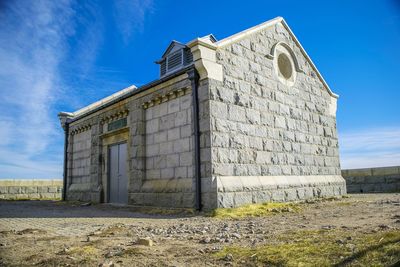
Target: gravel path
{"type": "Point", "coordinates": [179, 239]}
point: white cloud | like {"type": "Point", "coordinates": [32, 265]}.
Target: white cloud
{"type": "Point", "coordinates": [46, 48]}
{"type": "Point", "coordinates": [33, 38]}
{"type": "Point", "coordinates": [130, 16]}
{"type": "Point", "coordinates": [370, 148]}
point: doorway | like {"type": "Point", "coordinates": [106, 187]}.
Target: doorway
{"type": "Point", "coordinates": [118, 179]}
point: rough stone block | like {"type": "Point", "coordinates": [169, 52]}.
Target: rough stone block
{"type": "Point", "coordinates": [167, 173]}
{"type": "Point", "coordinates": [172, 160]}
{"type": "Point", "coordinates": [237, 113]}
{"type": "Point", "coordinates": [14, 190]}
{"type": "Point", "coordinates": [3, 189]}
{"type": "Point", "coordinates": [173, 105]}
{"type": "Point", "coordinates": [185, 159]}
{"type": "Point", "coordinates": [181, 145]}
{"type": "Point", "coordinates": [181, 118]}
{"type": "Point", "coordinates": [263, 157]}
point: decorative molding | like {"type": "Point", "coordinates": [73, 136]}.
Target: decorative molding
{"type": "Point", "coordinates": [157, 100]}
{"type": "Point", "coordinates": [272, 55]}
{"type": "Point", "coordinates": [243, 34]}
{"type": "Point", "coordinates": [81, 129]}
{"type": "Point", "coordinates": [115, 116]}
{"type": "Point", "coordinates": [205, 60]}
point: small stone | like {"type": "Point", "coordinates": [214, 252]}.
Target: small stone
{"type": "Point", "coordinates": [205, 240]}
{"type": "Point", "coordinates": [384, 226]}
{"type": "Point", "coordinates": [108, 264]}
{"type": "Point", "coordinates": [228, 257]}
{"type": "Point", "coordinates": [339, 241]}
{"type": "Point", "coordinates": [236, 235]}
{"type": "Point", "coordinates": [145, 242]}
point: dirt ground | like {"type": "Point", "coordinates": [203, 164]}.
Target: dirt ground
{"type": "Point", "coordinates": [51, 233]}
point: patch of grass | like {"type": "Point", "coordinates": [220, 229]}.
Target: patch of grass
{"type": "Point", "coordinates": [111, 230]}
{"type": "Point", "coordinates": [255, 210]}
{"type": "Point", "coordinates": [321, 248]}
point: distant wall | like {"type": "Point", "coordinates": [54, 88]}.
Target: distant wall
{"type": "Point", "coordinates": [385, 179]}
{"type": "Point", "coordinates": [30, 189]}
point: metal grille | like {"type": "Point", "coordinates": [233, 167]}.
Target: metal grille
{"type": "Point", "coordinates": [174, 60]}
{"type": "Point", "coordinates": [163, 68]}
{"type": "Point", "coordinates": [188, 57]}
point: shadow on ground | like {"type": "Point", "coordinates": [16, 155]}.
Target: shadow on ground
{"type": "Point", "coordinates": [60, 209]}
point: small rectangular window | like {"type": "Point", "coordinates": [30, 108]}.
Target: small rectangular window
{"type": "Point", "coordinates": [117, 124]}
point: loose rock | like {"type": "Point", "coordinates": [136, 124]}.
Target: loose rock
{"type": "Point", "coordinates": [145, 242]}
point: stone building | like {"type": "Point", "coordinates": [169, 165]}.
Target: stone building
{"type": "Point", "coordinates": [242, 120]}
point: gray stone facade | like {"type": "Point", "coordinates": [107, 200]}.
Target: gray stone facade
{"type": "Point", "coordinates": [373, 180]}
{"type": "Point", "coordinates": [267, 131]}
{"type": "Point", "coordinates": [30, 189]}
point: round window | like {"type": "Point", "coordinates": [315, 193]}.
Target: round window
{"type": "Point", "coordinates": [285, 66]}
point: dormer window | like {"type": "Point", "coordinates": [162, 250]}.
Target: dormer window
{"type": "Point", "coordinates": [175, 57]}
{"type": "Point", "coordinates": [175, 60]}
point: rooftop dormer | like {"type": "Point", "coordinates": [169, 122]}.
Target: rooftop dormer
{"type": "Point", "coordinates": [174, 58]}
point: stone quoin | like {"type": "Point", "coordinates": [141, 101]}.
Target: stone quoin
{"type": "Point", "coordinates": [246, 119]}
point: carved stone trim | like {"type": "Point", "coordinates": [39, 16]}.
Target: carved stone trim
{"type": "Point", "coordinates": [115, 116]}
{"type": "Point", "coordinates": [81, 129]}
{"type": "Point", "coordinates": [157, 100]}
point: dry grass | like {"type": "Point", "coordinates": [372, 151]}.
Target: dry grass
{"type": "Point", "coordinates": [322, 248]}
{"type": "Point", "coordinates": [256, 210]}
{"type": "Point", "coordinates": [83, 251]}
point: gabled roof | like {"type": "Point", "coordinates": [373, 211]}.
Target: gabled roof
{"type": "Point", "coordinates": [238, 36]}
{"type": "Point", "coordinates": [174, 45]}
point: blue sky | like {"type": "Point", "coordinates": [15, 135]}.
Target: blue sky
{"type": "Point", "coordinates": [62, 55]}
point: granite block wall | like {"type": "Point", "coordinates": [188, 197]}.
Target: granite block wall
{"type": "Point", "coordinates": [30, 189]}
{"type": "Point", "coordinates": [372, 180]}
{"type": "Point", "coordinates": [81, 158]}
{"type": "Point", "coordinates": [262, 127]}
{"type": "Point", "coordinates": [169, 153]}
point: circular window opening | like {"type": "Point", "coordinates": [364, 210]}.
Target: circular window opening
{"type": "Point", "coordinates": [285, 66]}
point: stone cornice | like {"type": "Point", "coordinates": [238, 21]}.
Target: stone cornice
{"type": "Point", "coordinates": [114, 116]}
{"type": "Point", "coordinates": [157, 100]}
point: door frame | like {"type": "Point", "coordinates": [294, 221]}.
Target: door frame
{"type": "Point", "coordinates": [109, 167]}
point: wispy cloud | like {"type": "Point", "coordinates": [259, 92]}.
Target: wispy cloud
{"type": "Point", "coordinates": [33, 38]}
{"type": "Point", "coordinates": [370, 148]}
{"type": "Point", "coordinates": [130, 16]}
{"type": "Point", "coordinates": [45, 45]}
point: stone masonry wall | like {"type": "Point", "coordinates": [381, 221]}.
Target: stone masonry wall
{"type": "Point", "coordinates": [30, 189]}
{"type": "Point", "coordinates": [159, 137]}
{"type": "Point", "coordinates": [81, 158]}
{"type": "Point", "coordinates": [261, 127]}
{"type": "Point", "coordinates": [370, 180]}
{"type": "Point", "coordinates": [169, 147]}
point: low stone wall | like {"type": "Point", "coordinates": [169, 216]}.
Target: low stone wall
{"type": "Point", "coordinates": [384, 179]}
{"type": "Point", "coordinates": [30, 189]}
